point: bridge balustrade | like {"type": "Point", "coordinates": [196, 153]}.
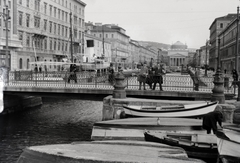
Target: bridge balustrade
{"type": "Point", "coordinates": [93, 80]}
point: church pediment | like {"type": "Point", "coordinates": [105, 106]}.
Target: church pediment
{"type": "Point", "coordinates": [177, 55]}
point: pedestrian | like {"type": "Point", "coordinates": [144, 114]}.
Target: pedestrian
{"type": "Point", "coordinates": [157, 78]}
{"type": "Point", "coordinates": [40, 69]}
{"type": "Point", "coordinates": [142, 76]}
{"type": "Point", "coordinates": [196, 79]}
{"type": "Point", "coordinates": [235, 77]}
{"type": "Point", "coordinates": [111, 74]}
{"type": "Point", "coordinates": [36, 68]}
{"type": "Point", "coordinates": [73, 75]}
{"type": "Point", "coordinates": [149, 79]}
{"type": "Point", "coordinates": [210, 121]}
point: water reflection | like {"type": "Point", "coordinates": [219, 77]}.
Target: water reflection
{"type": "Point", "coordinates": [56, 121]}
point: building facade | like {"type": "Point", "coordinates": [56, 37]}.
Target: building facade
{"type": "Point", "coordinates": [228, 47]}
{"type": "Point", "coordinates": [13, 42]}
{"type": "Point", "coordinates": [217, 26]}
{"type": "Point", "coordinates": [44, 29]}
{"type": "Point", "coordinates": [178, 55]}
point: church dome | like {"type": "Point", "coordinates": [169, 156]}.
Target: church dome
{"type": "Point", "coordinates": [178, 45]}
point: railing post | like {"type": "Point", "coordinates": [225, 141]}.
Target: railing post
{"type": "Point", "coordinates": [96, 79]}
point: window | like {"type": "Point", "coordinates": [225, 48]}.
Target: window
{"type": "Point", "coordinates": [59, 45]}
{"type": "Point", "coordinates": [62, 15]}
{"type": "Point", "coordinates": [27, 20]}
{"type": "Point", "coordinates": [112, 35]}
{"type": "Point", "coordinates": [62, 30]}
{"type": "Point", "coordinates": [66, 16]}
{"type": "Point", "coordinates": [20, 16]}
{"type": "Point", "coordinates": [45, 25]}
{"type": "Point", "coordinates": [66, 33]}
{"type": "Point", "coordinates": [55, 12]}
{"type": "Point", "coordinates": [36, 22]}
{"type": "Point", "coordinates": [20, 35]}
{"type": "Point", "coordinates": [55, 28]}
{"type": "Point", "coordinates": [27, 63]}
{"type": "Point", "coordinates": [50, 27]}
{"type": "Point", "coordinates": [45, 43]}
{"type": "Point", "coordinates": [80, 22]}
{"type": "Point", "coordinates": [59, 13]}
{"type": "Point", "coordinates": [37, 5]}
{"type": "Point", "coordinates": [27, 3]}
{"type": "Point", "coordinates": [59, 26]}
{"type": "Point", "coordinates": [45, 8]}
{"type": "Point", "coordinates": [20, 63]}
{"type": "Point", "coordinates": [50, 44]}
{"type": "Point", "coordinates": [50, 10]}
{"type": "Point", "coordinates": [55, 44]}
{"type": "Point", "coordinates": [221, 25]}
{"type": "Point", "coordinates": [75, 20]}
{"type": "Point", "coordinates": [28, 40]}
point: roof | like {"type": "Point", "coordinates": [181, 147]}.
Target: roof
{"type": "Point", "coordinates": [226, 17]}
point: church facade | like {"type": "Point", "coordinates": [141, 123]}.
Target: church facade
{"type": "Point", "coordinates": [177, 55]}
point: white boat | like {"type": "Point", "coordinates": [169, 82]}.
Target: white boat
{"type": "Point", "coordinates": [176, 111]}
{"type": "Point", "coordinates": [228, 141]}
{"type": "Point", "coordinates": [134, 128]}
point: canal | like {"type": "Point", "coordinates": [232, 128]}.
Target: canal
{"type": "Point", "coordinates": [57, 121]}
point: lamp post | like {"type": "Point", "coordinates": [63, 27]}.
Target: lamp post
{"type": "Point", "coordinates": [218, 90]}
{"type": "Point", "coordinates": [206, 58]}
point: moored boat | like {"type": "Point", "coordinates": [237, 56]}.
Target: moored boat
{"type": "Point", "coordinates": [105, 151]}
{"type": "Point", "coordinates": [176, 111]}
{"type": "Point", "coordinates": [133, 128]}
{"type": "Point", "coordinates": [228, 140]}
{"type": "Point", "coordinates": [196, 143]}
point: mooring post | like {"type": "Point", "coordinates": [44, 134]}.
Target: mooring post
{"type": "Point", "coordinates": [119, 86]}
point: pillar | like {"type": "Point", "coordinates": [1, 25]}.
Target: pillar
{"type": "Point", "coordinates": [119, 86]}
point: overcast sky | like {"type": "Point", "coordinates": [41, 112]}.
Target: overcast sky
{"type": "Point", "coordinates": [163, 21]}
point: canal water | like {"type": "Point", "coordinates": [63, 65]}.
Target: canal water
{"type": "Point", "coordinates": [57, 121]}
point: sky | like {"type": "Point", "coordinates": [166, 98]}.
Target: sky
{"type": "Point", "coordinates": [163, 21]}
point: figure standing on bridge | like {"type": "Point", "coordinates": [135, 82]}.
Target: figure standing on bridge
{"type": "Point", "coordinates": [111, 74]}
{"type": "Point", "coordinates": [142, 76]}
{"type": "Point", "coordinates": [157, 78]}
{"type": "Point", "coordinates": [196, 79]}
{"type": "Point", "coordinates": [235, 78]}
{"type": "Point", "coordinates": [73, 75]}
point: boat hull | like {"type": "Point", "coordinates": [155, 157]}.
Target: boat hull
{"type": "Point", "coordinates": [196, 110]}
{"type": "Point", "coordinates": [206, 149]}
{"type": "Point", "coordinates": [228, 141]}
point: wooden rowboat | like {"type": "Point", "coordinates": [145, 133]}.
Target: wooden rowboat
{"type": "Point", "coordinates": [228, 141]}
{"type": "Point", "coordinates": [196, 144]}
{"type": "Point", "coordinates": [176, 111]}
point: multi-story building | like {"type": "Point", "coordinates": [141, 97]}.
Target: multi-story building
{"type": "Point", "coordinates": [217, 26]}
{"type": "Point", "coordinates": [13, 42]}
{"type": "Point", "coordinates": [43, 27]}
{"type": "Point", "coordinates": [133, 48]}
{"type": "Point", "coordinates": [204, 55]}
{"type": "Point", "coordinates": [228, 47]}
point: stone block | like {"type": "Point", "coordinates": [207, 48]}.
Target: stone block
{"type": "Point", "coordinates": [227, 111]}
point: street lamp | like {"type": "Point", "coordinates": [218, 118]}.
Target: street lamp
{"type": "Point", "coordinates": [6, 17]}
{"type": "Point", "coordinates": [207, 43]}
